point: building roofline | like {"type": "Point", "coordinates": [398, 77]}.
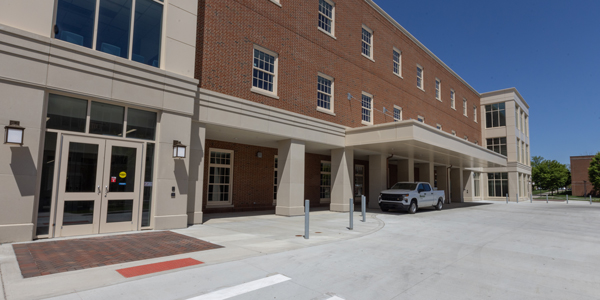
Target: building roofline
{"type": "Point", "coordinates": [503, 91]}
{"type": "Point", "coordinates": [582, 156]}
{"type": "Point", "coordinates": [410, 36]}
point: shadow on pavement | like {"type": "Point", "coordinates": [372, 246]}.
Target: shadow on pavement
{"type": "Point", "coordinates": [222, 215]}
{"type": "Point", "coordinates": [431, 209]}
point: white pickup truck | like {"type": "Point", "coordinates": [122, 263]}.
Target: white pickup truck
{"type": "Point", "coordinates": [410, 196]}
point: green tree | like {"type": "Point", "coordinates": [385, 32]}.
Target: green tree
{"type": "Point", "coordinates": [594, 172]}
{"type": "Point", "coordinates": [535, 171]}
{"type": "Point", "coordinates": [549, 174]}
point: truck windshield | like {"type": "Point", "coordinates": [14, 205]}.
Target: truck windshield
{"type": "Point", "coordinates": [404, 186]}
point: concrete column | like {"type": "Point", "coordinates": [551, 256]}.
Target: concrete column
{"type": "Point", "coordinates": [342, 179]}
{"type": "Point", "coordinates": [442, 180]}
{"type": "Point", "coordinates": [290, 181]}
{"type": "Point", "coordinates": [196, 184]}
{"type": "Point", "coordinates": [513, 186]}
{"type": "Point", "coordinates": [456, 178]}
{"type": "Point", "coordinates": [377, 178]}
{"type": "Point", "coordinates": [406, 170]}
{"type": "Point", "coordinates": [426, 172]}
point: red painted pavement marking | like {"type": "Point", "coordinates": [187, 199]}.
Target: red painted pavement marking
{"type": "Point", "coordinates": [158, 267]}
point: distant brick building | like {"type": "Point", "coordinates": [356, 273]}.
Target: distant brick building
{"type": "Point", "coordinates": [580, 181]}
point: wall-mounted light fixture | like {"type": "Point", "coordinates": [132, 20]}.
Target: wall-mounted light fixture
{"type": "Point", "coordinates": [14, 133]}
{"type": "Point", "coordinates": [178, 149]}
{"type": "Point", "coordinates": [259, 154]}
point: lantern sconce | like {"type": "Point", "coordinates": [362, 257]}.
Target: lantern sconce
{"type": "Point", "coordinates": [178, 149]}
{"type": "Point", "coordinates": [14, 133]}
{"type": "Point", "coordinates": [259, 154]}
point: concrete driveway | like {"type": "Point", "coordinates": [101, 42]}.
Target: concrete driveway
{"type": "Point", "coordinates": [475, 251]}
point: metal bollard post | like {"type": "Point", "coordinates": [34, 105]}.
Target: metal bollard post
{"type": "Point", "coordinates": [590, 199]}
{"type": "Point", "coordinates": [351, 214]}
{"type": "Point", "coordinates": [306, 219]}
{"type": "Point", "coordinates": [363, 203]}
{"type": "Point", "coordinates": [546, 198]}
{"type": "Point", "coordinates": [517, 197]}
{"type": "Point", "coordinates": [530, 198]}
{"type": "Point", "coordinates": [506, 198]}
{"type": "Point", "coordinates": [567, 198]}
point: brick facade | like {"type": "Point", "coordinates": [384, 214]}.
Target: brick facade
{"type": "Point", "coordinates": [228, 30]}
{"type": "Point", "coordinates": [579, 174]}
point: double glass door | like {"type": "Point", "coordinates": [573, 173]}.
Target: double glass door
{"type": "Point", "coordinates": [99, 186]}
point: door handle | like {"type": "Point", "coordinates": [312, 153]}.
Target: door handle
{"type": "Point", "coordinates": [99, 190]}
{"type": "Point", "coordinates": [106, 190]}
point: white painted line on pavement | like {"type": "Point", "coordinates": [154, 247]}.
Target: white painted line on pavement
{"type": "Point", "coordinates": [335, 298]}
{"type": "Point", "coordinates": [242, 288]}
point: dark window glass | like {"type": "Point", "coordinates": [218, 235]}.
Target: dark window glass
{"type": "Point", "coordinates": [147, 32]}
{"type": "Point", "coordinates": [147, 202]}
{"type": "Point", "coordinates": [122, 169]}
{"type": "Point", "coordinates": [45, 203]}
{"type": "Point", "coordinates": [114, 23]}
{"type": "Point", "coordinates": [78, 213]}
{"type": "Point", "coordinates": [106, 119]}
{"type": "Point", "coordinates": [495, 115]}
{"type": "Point", "coordinates": [141, 124]}
{"type": "Point", "coordinates": [119, 211]}
{"type": "Point", "coordinates": [81, 168]}
{"type": "Point", "coordinates": [427, 187]}
{"type": "Point", "coordinates": [75, 21]}
{"type": "Point", "coordinates": [66, 113]}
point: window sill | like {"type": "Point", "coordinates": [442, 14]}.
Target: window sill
{"type": "Point", "coordinates": [422, 89]}
{"type": "Point", "coordinates": [218, 205]}
{"type": "Point", "coordinates": [327, 33]}
{"type": "Point", "coordinates": [276, 3]}
{"type": "Point", "coordinates": [325, 111]}
{"type": "Point", "coordinates": [438, 99]}
{"type": "Point", "coordinates": [366, 123]}
{"type": "Point", "coordinates": [264, 93]}
{"type": "Point", "coordinates": [399, 75]}
{"type": "Point", "coordinates": [369, 58]}
{"type": "Point", "coordinates": [453, 108]}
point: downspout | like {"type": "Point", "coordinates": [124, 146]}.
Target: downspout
{"type": "Point", "coordinates": [449, 183]}
{"type": "Point", "coordinates": [387, 171]}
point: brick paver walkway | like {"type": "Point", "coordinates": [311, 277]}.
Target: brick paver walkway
{"type": "Point", "coordinates": [43, 258]}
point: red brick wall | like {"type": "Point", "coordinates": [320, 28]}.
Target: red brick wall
{"type": "Point", "coordinates": [232, 27]}
{"type": "Point", "coordinates": [579, 173]}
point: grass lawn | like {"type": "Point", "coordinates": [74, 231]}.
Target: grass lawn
{"type": "Point", "coordinates": [571, 198]}
{"type": "Point", "coordinates": [539, 192]}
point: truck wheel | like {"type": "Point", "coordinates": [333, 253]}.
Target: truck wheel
{"type": "Point", "coordinates": [439, 205]}
{"type": "Point", "coordinates": [412, 208]}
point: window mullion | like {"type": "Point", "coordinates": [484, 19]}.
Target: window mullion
{"type": "Point", "coordinates": [96, 24]}
{"type": "Point", "coordinates": [131, 29]}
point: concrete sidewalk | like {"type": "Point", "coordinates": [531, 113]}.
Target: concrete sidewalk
{"type": "Point", "coordinates": [243, 235]}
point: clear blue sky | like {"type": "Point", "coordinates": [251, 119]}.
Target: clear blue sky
{"type": "Point", "coordinates": [549, 50]}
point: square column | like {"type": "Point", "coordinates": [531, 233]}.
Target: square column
{"type": "Point", "coordinates": [377, 178]}
{"type": "Point", "coordinates": [406, 170]}
{"type": "Point", "coordinates": [196, 179]}
{"type": "Point", "coordinates": [456, 183]}
{"type": "Point", "coordinates": [442, 179]}
{"type": "Point", "coordinates": [426, 173]}
{"type": "Point", "coordinates": [290, 179]}
{"type": "Point", "coordinates": [513, 186]}
{"type": "Point", "coordinates": [342, 179]}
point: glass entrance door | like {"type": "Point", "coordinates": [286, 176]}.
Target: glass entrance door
{"type": "Point", "coordinates": [99, 186]}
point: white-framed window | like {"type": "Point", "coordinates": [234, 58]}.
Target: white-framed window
{"type": "Point", "coordinates": [475, 113]}
{"type": "Point", "coordinates": [497, 145]}
{"type": "Point", "coordinates": [397, 113]}
{"type": "Point", "coordinates": [275, 163]}
{"type": "Point", "coordinates": [438, 126]}
{"type": "Point", "coordinates": [452, 98]}
{"type": "Point", "coordinates": [276, 2]}
{"type": "Point", "coordinates": [367, 42]}
{"type": "Point", "coordinates": [325, 191]}
{"type": "Point", "coordinates": [128, 29]}
{"type": "Point", "coordinates": [497, 184]}
{"type": "Point", "coordinates": [477, 184]}
{"type": "Point", "coordinates": [420, 76]}
{"type": "Point", "coordinates": [453, 132]}
{"type": "Point", "coordinates": [465, 107]}
{"type": "Point", "coordinates": [518, 150]}
{"type": "Point", "coordinates": [325, 92]}
{"type": "Point", "coordinates": [397, 55]}
{"type": "Point", "coordinates": [421, 119]}
{"type": "Point", "coordinates": [264, 71]}
{"type": "Point", "coordinates": [495, 115]}
{"type": "Point", "coordinates": [327, 16]}
{"type": "Point", "coordinates": [359, 180]}
{"type": "Point", "coordinates": [367, 109]}
{"type": "Point", "coordinates": [220, 176]}
{"type": "Point", "coordinates": [438, 89]}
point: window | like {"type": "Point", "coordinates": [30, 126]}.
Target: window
{"type": "Point", "coordinates": [325, 93]}
{"type": "Point", "coordinates": [220, 177]}
{"type": "Point", "coordinates": [527, 159]}
{"type": "Point", "coordinates": [522, 152]}
{"type": "Point", "coordinates": [495, 115]}
{"type": "Point", "coordinates": [477, 184]}
{"type": "Point", "coordinates": [397, 113]}
{"type": "Point", "coordinates": [522, 122]}
{"type": "Point", "coordinates": [326, 16]}
{"type": "Point", "coordinates": [76, 22]}
{"type": "Point", "coordinates": [497, 184]}
{"type": "Point", "coordinates": [264, 73]}
{"type": "Point", "coordinates": [465, 107]}
{"type": "Point", "coordinates": [438, 88]}
{"type": "Point", "coordinates": [438, 126]}
{"type": "Point", "coordinates": [359, 180]}
{"type": "Point", "coordinates": [453, 133]}
{"type": "Point", "coordinates": [517, 117]}
{"type": "Point", "coordinates": [526, 126]}
{"type": "Point", "coordinates": [420, 119]}
{"type": "Point", "coordinates": [452, 103]}
{"type": "Point", "coordinates": [475, 113]}
{"type": "Point", "coordinates": [367, 109]}
{"type": "Point", "coordinates": [367, 42]}
{"type": "Point", "coordinates": [518, 150]}
{"type": "Point", "coordinates": [397, 62]}
{"type": "Point", "coordinates": [497, 145]}
{"type": "Point", "coordinates": [275, 162]}
{"type": "Point", "coordinates": [420, 77]}
{"type": "Point", "coordinates": [325, 181]}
